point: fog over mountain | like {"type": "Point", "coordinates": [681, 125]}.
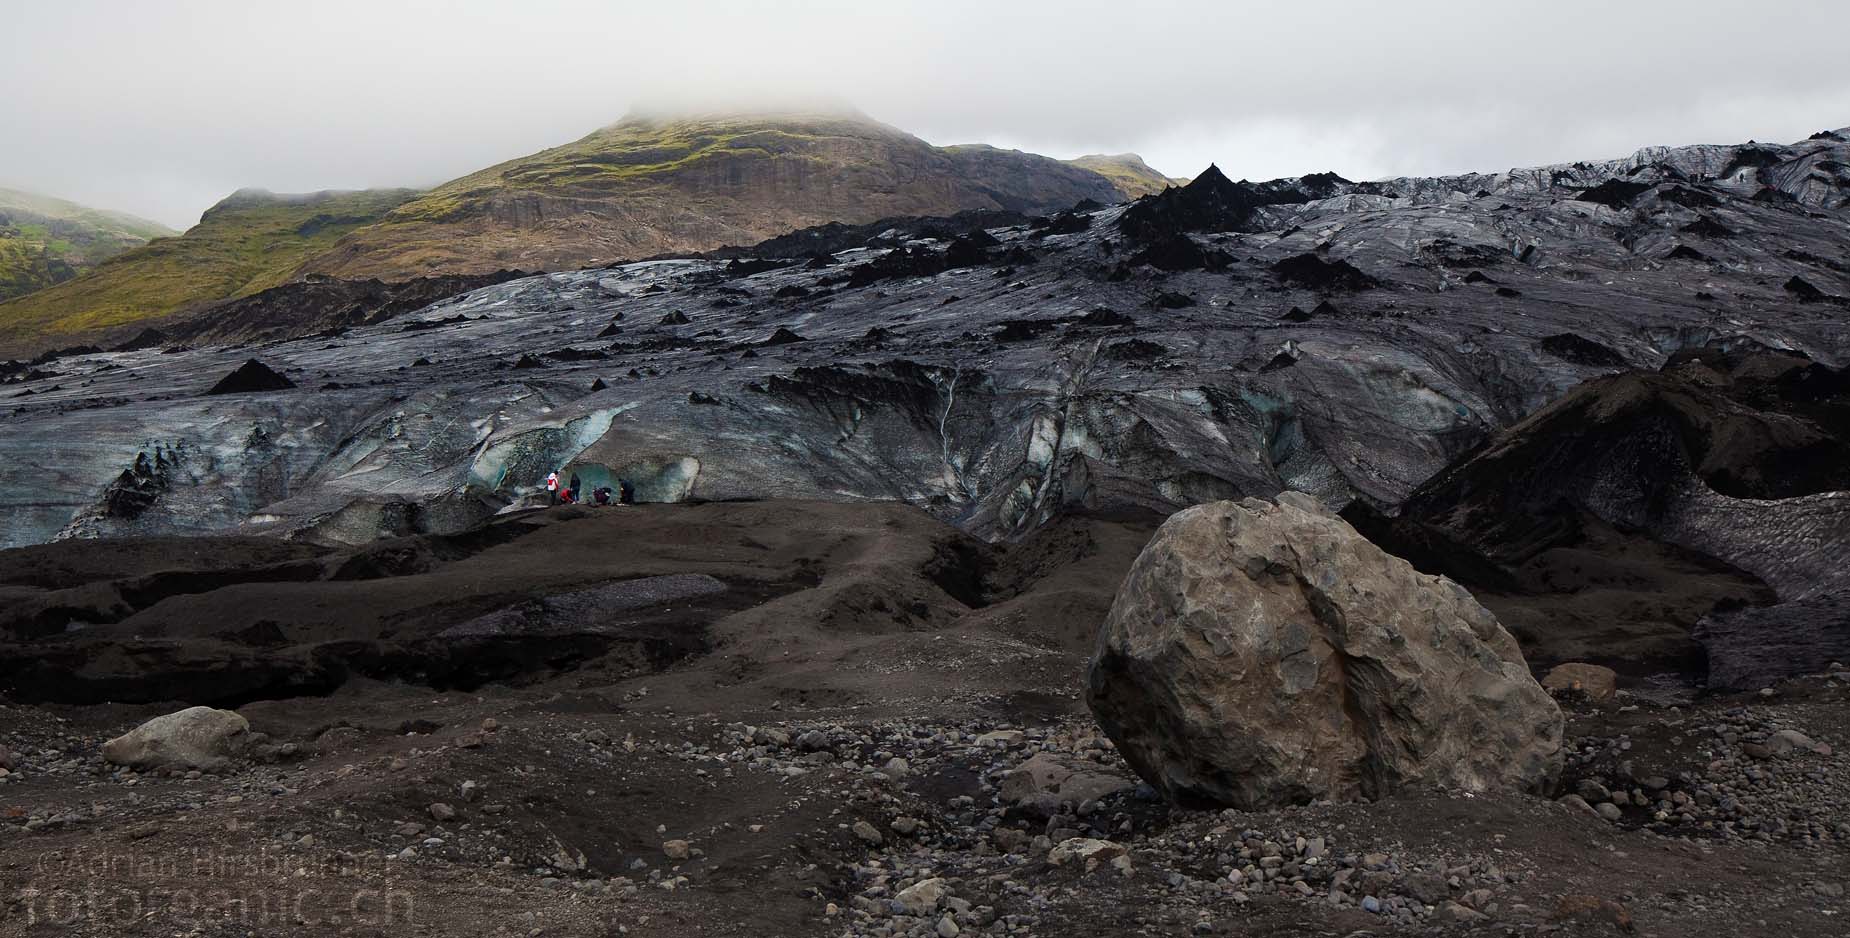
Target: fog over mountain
{"type": "Point", "coordinates": [161, 110]}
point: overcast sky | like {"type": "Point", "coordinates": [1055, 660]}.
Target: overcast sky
{"type": "Point", "coordinates": [162, 108]}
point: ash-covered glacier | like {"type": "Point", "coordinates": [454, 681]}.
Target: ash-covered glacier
{"type": "Point", "coordinates": [1219, 340]}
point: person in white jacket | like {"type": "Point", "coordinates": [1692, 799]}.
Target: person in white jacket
{"type": "Point", "coordinates": [552, 487]}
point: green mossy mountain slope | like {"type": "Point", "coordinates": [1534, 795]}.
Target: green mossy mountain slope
{"type": "Point", "coordinates": [251, 241]}
{"type": "Point", "coordinates": [645, 186]}
{"type": "Point", "coordinates": [46, 241]}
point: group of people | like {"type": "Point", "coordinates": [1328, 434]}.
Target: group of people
{"type": "Point", "coordinates": [571, 494]}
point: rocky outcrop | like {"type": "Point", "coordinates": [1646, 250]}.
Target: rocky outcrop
{"type": "Point", "coordinates": [194, 738]}
{"type": "Point", "coordinates": [1261, 654]}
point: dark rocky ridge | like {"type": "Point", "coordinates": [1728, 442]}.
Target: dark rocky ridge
{"type": "Point", "coordinates": [313, 304]}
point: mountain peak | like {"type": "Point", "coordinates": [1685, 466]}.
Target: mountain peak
{"type": "Point", "coordinates": [625, 191]}
{"type": "Point", "coordinates": [1127, 171]}
{"type": "Point", "coordinates": [344, 206]}
{"type": "Point", "coordinates": [1210, 178]}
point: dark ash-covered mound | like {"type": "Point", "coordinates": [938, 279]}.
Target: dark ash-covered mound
{"type": "Point", "coordinates": [320, 304]}
{"type": "Point", "coordinates": [1642, 502]}
{"type": "Point", "coordinates": [1214, 203]}
{"type": "Point", "coordinates": [836, 237]}
{"type": "Point", "coordinates": [1581, 350]}
{"type": "Point", "coordinates": [227, 620]}
{"type": "Point", "coordinates": [252, 376]}
{"type": "Point", "coordinates": [1309, 270]}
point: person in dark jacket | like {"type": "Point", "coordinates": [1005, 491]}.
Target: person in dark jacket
{"type": "Point", "coordinates": [575, 489]}
{"type": "Point", "coordinates": [601, 495]}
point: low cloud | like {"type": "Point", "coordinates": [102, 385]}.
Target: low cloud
{"type": "Point", "coordinates": [161, 109]}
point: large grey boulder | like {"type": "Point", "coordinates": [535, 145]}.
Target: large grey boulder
{"type": "Point", "coordinates": [194, 738]}
{"type": "Point", "coordinates": [1261, 654]}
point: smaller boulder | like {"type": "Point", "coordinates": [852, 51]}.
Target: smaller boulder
{"type": "Point", "coordinates": [923, 896]}
{"type": "Point", "coordinates": [1785, 742]}
{"type": "Point", "coordinates": [1001, 739]}
{"type": "Point", "coordinates": [1084, 850]}
{"type": "Point", "coordinates": [195, 738]}
{"type": "Point", "coordinates": [1460, 914]}
{"type": "Point", "coordinates": [1599, 684]}
{"type": "Point", "coordinates": [1048, 778]}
